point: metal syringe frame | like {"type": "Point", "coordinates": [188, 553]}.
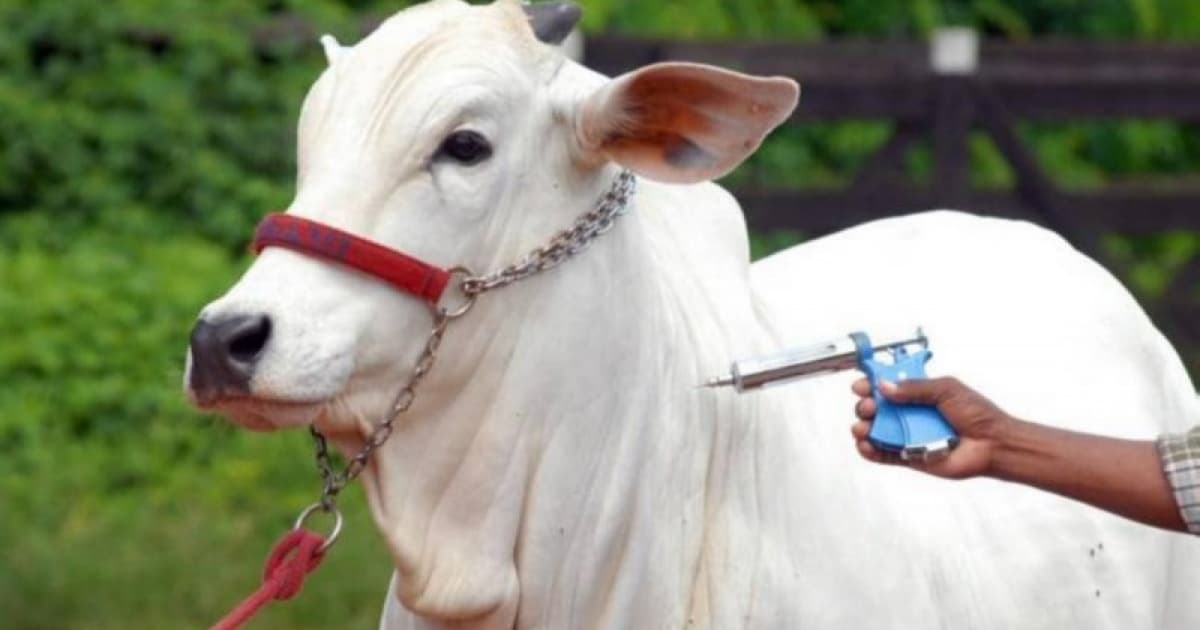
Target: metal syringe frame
{"type": "Point", "coordinates": [823, 358]}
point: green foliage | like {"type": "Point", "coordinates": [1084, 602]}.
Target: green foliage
{"type": "Point", "coordinates": [1019, 19]}
{"type": "Point", "coordinates": [1153, 263]}
{"type": "Point", "coordinates": [162, 106]}
{"type": "Point", "coordinates": [119, 503]}
{"type": "Point", "coordinates": [708, 19]}
{"type": "Point", "coordinates": [140, 140]}
{"type": "Point", "coordinates": [764, 244]}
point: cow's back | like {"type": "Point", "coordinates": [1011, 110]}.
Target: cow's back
{"type": "Point", "coordinates": [1050, 336]}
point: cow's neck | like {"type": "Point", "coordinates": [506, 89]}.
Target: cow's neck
{"type": "Point", "coordinates": [573, 472]}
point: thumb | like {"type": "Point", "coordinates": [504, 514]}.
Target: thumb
{"type": "Point", "coordinates": [920, 391]}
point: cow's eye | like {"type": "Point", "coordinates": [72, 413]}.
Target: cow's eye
{"type": "Point", "coordinates": [465, 147]}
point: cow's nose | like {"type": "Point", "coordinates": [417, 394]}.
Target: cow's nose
{"type": "Point", "coordinates": [224, 353]}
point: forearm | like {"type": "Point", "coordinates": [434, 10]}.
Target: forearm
{"type": "Point", "coordinates": [1121, 476]}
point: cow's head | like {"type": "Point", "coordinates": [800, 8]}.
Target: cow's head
{"type": "Point", "coordinates": [461, 135]}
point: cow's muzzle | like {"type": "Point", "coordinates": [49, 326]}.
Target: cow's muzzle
{"type": "Point", "coordinates": [224, 354]}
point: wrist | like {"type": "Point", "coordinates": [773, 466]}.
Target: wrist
{"type": "Point", "coordinates": [1003, 439]}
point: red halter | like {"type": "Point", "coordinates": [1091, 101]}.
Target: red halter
{"type": "Point", "coordinates": [306, 236]}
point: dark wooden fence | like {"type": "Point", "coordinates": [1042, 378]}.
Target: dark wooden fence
{"type": "Point", "coordinates": [1032, 81]}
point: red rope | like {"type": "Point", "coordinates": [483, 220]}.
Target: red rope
{"type": "Point", "coordinates": [292, 559]}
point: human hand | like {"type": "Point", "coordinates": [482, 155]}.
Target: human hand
{"type": "Point", "coordinates": [977, 420]}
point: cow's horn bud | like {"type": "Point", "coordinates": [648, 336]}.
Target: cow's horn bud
{"type": "Point", "coordinates": [553, 21]}
{"type": "Point", "coordinates": [333, 50]}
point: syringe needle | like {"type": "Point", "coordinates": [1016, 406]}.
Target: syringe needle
{"type": "Point", "coordinates": [719, 382]}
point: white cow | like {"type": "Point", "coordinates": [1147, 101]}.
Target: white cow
{"type": "Point", "coordinates": [561, 469]}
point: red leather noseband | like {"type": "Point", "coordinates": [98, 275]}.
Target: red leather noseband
{"type": "Point", "coordinates": [400, 270]}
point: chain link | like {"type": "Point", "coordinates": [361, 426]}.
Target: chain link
{"type": "Point", "coordinates": [334, 482]}
{"type": "Point", "coordinates": [563, 246]}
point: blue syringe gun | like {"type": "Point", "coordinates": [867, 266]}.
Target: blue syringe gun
{"type": "Point", "coordinates": [912, 432]}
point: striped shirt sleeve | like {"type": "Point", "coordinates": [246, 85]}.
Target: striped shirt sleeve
{"type": "Point", "coordinates": [1181, 464]}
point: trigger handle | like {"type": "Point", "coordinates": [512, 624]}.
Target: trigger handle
{"type": "Point", "coordinates": [913, 432]}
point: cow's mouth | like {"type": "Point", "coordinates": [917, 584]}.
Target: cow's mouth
{"type": "Point", "coordinates": [265, 414]}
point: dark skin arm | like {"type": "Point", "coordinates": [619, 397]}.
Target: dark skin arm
{"type": "Point", "coordinates": [1121, 476]}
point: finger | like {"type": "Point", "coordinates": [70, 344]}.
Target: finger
{"type": "Point", "coordinates": [870, 453]}
{"type": "Point", "coordinates": [862, 387]}
{"type": "Point", "coordinates": [920, 391]}
{"type": "Point", "coordinates": [865, 409]}
{"type": "Point", "coordinates": [860, 430]}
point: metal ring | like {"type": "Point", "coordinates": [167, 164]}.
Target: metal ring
{"type": "Point", "coordinates": [470, 298]}
{"type": "Point", "coordinates": [337, 522]}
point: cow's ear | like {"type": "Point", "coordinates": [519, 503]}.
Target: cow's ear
{"type": "Point", "coordinates": [681, 122]}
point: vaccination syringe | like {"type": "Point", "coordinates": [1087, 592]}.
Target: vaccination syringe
{"type": "Point", "coordinates": [909, 431]}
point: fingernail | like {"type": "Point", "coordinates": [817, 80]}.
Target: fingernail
{"type": "Point", "coordinates": [887, 387]}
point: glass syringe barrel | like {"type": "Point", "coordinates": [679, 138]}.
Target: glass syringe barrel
{"type": "Point", "coordinates": [823, 358]}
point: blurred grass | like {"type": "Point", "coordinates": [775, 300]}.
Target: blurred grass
{"type": "Point", "coordinates": [167, 555]}
{"type": "Point", "coordinates": [130, 178]}
{"type": "Point", "coordinates": [120, 505]}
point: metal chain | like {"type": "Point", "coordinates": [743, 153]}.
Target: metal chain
{"type": "Point", "coordinates": [334, 482]}
{"type": "Point", "coordinates": [565, 244]}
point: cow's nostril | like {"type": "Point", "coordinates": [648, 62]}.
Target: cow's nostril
{"type": "Point", "coordinates": [224, 354]}
{"type": "Point", "coordinates": [248, 341]}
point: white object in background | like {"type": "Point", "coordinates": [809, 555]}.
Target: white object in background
{"type": "Point", "coordinates": [954, 51]}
